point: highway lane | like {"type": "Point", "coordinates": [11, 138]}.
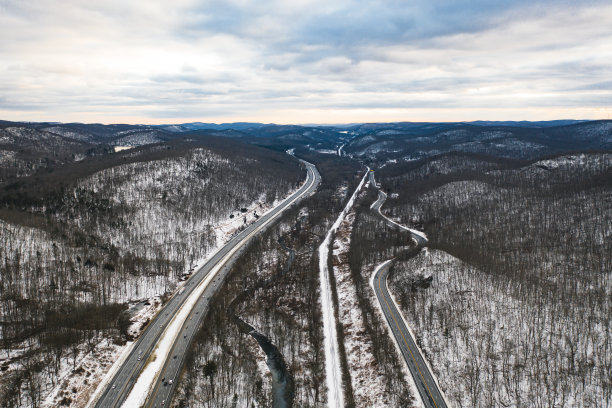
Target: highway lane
{"type": "Point", "coordinates": [423, 378]}
{"type": "Point", "coordinates": [211, 274]}
{"type": "Point", "coordinates": [427, 386]}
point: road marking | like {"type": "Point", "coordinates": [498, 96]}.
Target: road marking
{"type": "Point", "coordinates": [219, 265]}
{"type": "Point", "coordinates": [422, 240]}
{"type": "Point", "coordinates": [405, 342]}
{"type": "Point", "coordinates": [311, 179]}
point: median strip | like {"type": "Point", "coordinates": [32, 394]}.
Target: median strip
{"type": "Point", "coordinates": [146, 380]}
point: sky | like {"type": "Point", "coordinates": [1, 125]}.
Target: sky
{"type": "Point", "coordinates": [304, 61]}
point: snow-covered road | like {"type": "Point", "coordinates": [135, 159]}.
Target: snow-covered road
{"type": "Point", "coordinates": [335, 396]}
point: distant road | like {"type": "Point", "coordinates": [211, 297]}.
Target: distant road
{"type": "Point", "coordinates": [210, 276]}
{"type": "Point", "coordinates": [419, 237]}
{"type": "Point", "coordinates": [423, 378]}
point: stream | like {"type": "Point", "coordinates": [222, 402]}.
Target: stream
{"type": "Point", "coordinates": [282, 381]}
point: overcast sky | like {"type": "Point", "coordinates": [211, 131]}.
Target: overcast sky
{"type": "Point", "coordinates": [304, 61]}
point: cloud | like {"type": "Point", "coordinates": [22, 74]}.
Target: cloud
{"type": "Point", "coordinates": [144, 61]}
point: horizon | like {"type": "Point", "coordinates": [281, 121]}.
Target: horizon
{"type": "Point", "coordinates": [300, 124]}
{"type": "Point", "coordinates": [220, 121]}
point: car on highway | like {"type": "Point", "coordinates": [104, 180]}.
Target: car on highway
{"type": "Point", "coordinates": [161, 328]}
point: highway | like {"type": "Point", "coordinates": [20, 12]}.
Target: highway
{"type": "Point", "coordinates": [189, 305]}
{"type": "Point", "coordinates": [423, 378]}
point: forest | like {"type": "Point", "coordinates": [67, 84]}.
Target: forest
{"type": "Point", "coordinates": [518, 311]}
{"type": "Point", "coordinates": [83, 248]}
{"type": "Point", "coordinates": [274, 288]}
{"type": "Point", "coordinates": [510, 301]}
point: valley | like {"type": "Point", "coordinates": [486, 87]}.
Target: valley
{"type": "Point", "coordinates": [245, 265]}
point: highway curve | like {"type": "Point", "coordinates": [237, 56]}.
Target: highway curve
{"type": "Point", "coordinates": [423, 378]}
{"type": "Point", "coordinates": [207, 279]}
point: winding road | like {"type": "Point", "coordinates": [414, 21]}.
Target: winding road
{"type": "Point", "coordinates": [177, 323]}
{"type": "Point", "coordinates": [418, 236]}
{"type": "Point", "coordinates": [427, 386]}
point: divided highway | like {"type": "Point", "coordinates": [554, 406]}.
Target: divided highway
{"type": "Point", "coordinates": [423, 378]}
{"type": "Point", "coordinates": [206, 280]}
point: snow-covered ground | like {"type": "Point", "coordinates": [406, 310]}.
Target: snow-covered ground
{"type": "Point", "coordinates": [527, 326]}
{"type": "Point", "coordinates": [575, 162]}
{"type": "Point", "coordinates": [151, 211]}
{"type": "Point", "coordinates": [388, 132]}
{"type": "Point", "coordinates": [80, 379]}
{"type": "Point", "coordinates": [367, 380]}
{"type": "Point", "coordinates": [161, 351]}
{"type": "Point", "coordinates": [327, 151]}
{"type": "Point", "coordinates": [280, 311]}
{"type": "Point", "coordinates": [418, 403]}
{"type": "Point", "coordinates": [335, 396]}
{"type": "Point", "coordinates": [138, 138]}
{"type": "Point", "coordinates": [459, 191]}
{"type": "Point", "coordinates": [69, 133]}
{"type": "Point", "coordinates": [418, 233]}
{"type": "Point", "coordinates": [94, 369]}
{"type": "Point", "coordinates": [481, 341]}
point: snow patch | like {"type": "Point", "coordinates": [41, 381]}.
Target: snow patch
{"type": "Point", "coordinates": [335, 396]}
{"type": "Point", "coordinates": [368, 383]}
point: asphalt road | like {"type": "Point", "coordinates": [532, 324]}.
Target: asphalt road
{"type": "Point", "coordinates": [425, 383]}
{"type": "Point", "coordinates": [211, 274]}
{"type": "Point", "coordinates": [428, 389]}
{"type": "Point", "coordinates": [418, 236]}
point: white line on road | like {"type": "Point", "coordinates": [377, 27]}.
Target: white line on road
{"type": "Point", "coordinates": [160, 353]}
{"type": "Point", "coordinates": [381, 199]}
